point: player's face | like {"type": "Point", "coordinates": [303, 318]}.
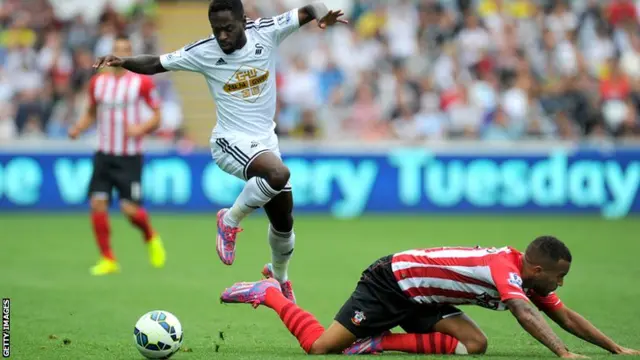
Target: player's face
{"type": "Point", "coordinates": [122, 48]}
{"type": "Point", "coordinates": [227, 29]}
{"type": "Point", "coordinates": [548, 280]}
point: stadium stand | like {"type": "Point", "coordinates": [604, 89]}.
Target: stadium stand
{"type": "Point", "coordinates": [487, 69]}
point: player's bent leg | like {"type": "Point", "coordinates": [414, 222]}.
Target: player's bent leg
{"type": "Point", "coordinates": [300, 323]}
{"type": "Point", "coordinates": [270, 167]}
{"type": "Point", "coordinates": [282, 240]}
{"type": "Point", "coordinates": [430, 330]}
{"type": "Point", "coordinates": [466, 331]}
{"type": "Point", "coordinates": [267, 177]}
{"type": "Point", "coordinates": [102, 231]}
{"type": "Point", "coordinates": [139, 218]}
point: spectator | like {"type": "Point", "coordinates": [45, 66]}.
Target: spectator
{"type": "Point", "coordinates": [365, 120]}
{"type": "Point", "coordinates": [473, 41]}
{"type": "Point", "coordinates": [465, 117]}
{"type": "Point", "coordinates": [80, 34]}
{"type": "Point", "coordinates": [617, 107]}
{"type": "Point", "coordinates": [561, 20]}
{"type": "Point", "coordinates": [56, 63]}
{"type": "Point", "coordinates": [621, 10]}
{"type": "Point", "coordinates": [500, 127]}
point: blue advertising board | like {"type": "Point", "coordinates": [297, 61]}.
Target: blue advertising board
{"type": "Point", "coordinates": [350, 184]}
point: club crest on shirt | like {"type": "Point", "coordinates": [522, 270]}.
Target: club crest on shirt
{"type": "Point", "coordinates": [358, 318]}
{"type": "Point", "coordinates": [259, 49]}
{"type": "Point", "coordinates": [515, 280]}
{"type": "Point", "coordinates": [247, 83]}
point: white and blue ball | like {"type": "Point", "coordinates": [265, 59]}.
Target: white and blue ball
{"type": "Point", "coordinates": [158, 334]}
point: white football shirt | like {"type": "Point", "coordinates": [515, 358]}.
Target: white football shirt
{"type": "Point", "coordinates": [243, 84]}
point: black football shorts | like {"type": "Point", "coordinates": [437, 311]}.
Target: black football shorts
{"type": "Point", "coordinates": [378, 304]}
{"type": "Point", "coordinates": [123, 173]}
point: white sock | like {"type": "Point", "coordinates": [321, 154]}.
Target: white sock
{"type": "Point", "coordinates": [461, 349]}
{"type": "Point", "coordinates": [282, 245]}
{"type": "Point", "coordinates": [255, 194]}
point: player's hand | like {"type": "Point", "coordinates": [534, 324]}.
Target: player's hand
{"type": "Point", "coordinates": [108, 60]}
{"type": "Point", "coordinates": [74, 133]}
{"type": "Point", "coordinates": [573, 356]}
{"type": "Point", "coordinates": [625, 351]}
{"type": "Point", "coordinates": [332, 17]}
{"type": "Point", "coordinates": [135, 131]}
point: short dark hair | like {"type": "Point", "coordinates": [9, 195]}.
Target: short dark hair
{"type": "Point", "coordinates": [547, 249]}
{"type": "Point", "coordinates": [235, 6]}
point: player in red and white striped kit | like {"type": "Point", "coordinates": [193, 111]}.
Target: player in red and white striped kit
{"type": "Point", "coordinates": [418, 291]}
{"type": "Point", "coordinates": [116, 100]}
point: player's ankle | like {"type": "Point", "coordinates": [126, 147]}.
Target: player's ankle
{"type": "Point", "coordinates": [280, 273]}
{"type": "Point", "coordinates": [273, 295]}
{"type": "Point", "coordinates": [230, 220]}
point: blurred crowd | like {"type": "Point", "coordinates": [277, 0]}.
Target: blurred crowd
{"type": "Point", "coordinates": [46, 63]}
{"type": "Point", "coordinates": [402, 69]}
{"type": "Point", "coordinates": [475, 69]}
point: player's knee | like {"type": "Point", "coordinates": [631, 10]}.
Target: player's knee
{"type": "Point", "coordinates": [99, 205]}
{"type": "Point", "coordinates": [278, 177]}
{"type": "Point", "coordinates": [476, 344]}
{"type": "Point", "coordinates": [128, 208]}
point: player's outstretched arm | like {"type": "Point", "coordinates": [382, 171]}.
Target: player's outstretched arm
{"type": "Point", "coordinates": [533, 322]}
{"type": "Point", "coordinates": [577, 325]}
{"type": "Point", "coordinates": [141, 64]}
{"type": "Point", "coordinates": [319, 11]}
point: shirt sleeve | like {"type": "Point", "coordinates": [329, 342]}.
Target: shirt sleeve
{"type": "Point", "coordinates": [91, 91]}
{"type": "Point", "coordinates": [149, 93]}
{"type": "Point", "coordinates": [282, 26]}
{"type": "Point", "coordinates": [547, 303]}
{"type": "Point", "coordinates": [188, 58]}
{"type": "Point", "coordinates": [508, 281]}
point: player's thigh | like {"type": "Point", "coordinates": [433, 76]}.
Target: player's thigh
{"type": "Point", "coordinates": [463, 328]}
{"type": "Point", "coordinates": [424, 318]}
{"type": "Point", "coordinates": [101, 183]}
{"type": "Point", "coordinates": [269, 165]}
{"type": "Point", "coordinates": [334, 340]}
{"type": "Point", "coordinates": [127, 174]}
{"type": "Point", "coordinates": [370, 310]}
{"type": "Point", "coordinates": [234, 154]}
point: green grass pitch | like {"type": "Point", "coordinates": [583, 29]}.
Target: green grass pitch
{"type": "Point", "coordinates": [45, 260]}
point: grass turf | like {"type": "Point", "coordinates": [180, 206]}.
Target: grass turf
{"type": "Point", "coordinates": [60, 312]}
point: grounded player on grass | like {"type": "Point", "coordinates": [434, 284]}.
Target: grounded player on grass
{"type": "Point", "coordinates": [239, 63]}
{"type": "Point", "coordinates": [417, 290]}
{"type": "Point", "coordinates": [116, 98]}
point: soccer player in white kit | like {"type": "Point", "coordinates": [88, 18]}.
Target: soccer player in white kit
{"type": "Point", "coordinates": [239, 62]}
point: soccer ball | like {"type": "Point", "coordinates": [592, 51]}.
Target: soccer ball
{"type": "Point", "coordinates": [158, 334]}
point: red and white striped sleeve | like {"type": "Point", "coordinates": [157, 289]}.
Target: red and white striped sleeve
{"type": "Point", "coordinates": [507, 279]}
